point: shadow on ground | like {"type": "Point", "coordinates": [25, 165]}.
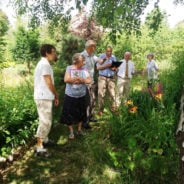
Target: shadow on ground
{"type": "Point", "coordinates": [80, 161]}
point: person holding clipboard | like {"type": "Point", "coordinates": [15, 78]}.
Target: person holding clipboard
{"type": "Point", "coordinates": [106, 79]}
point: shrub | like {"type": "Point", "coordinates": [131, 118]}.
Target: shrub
{"type": "Point", "coordinates": [147, 151]}
{"type": "Point", "coordinates": [17, 116]}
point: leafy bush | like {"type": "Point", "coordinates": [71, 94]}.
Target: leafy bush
{"type": "Point", "coordinates": [71, 45]}
{"type": "Point", "coordinates": [145, 141]}
{"type": "Point", "coordinates": [17, 116]}
{"type": "Point", "coordinates": [26, 46]}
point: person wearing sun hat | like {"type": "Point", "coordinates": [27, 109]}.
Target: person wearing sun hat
{"type": "Point", "coordinates": [152, 69]}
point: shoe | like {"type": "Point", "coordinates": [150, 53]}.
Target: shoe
{"type": "Point", "coordinates": [42, 152]}
{"type": "Point", "coordinates": [49, 142]}
{"type": "Point", "coordinates": [86, 126]}
{"type": "Point", "coordinates": [71, 135]}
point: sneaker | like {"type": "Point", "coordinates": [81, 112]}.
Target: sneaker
{"type": "Point", "coordinates": [71, 135]}
{"type": "Point", "coordinates": [41, 149]}
{"type": "Point", "coordinates": [49, 142]}
{"type": "Point", "coordinates": [42, 152]}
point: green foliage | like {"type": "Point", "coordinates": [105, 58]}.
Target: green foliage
{"type": "Point", "coordinates": [116, 15]}
{"type": "Point", "coordinates": [41, 10]}
{"type": "Point", "coordinates": [3, 23]}
{"type": "Point", "coordinates": [146, 140]}
{"type": "Point", "coordinates": [70, 46]}
{"type": "Point", "coordinates": [119, 16]}
{"type": "Point", "coordinates": [26, 47]}
{"type": "Point", "coordinates": [154, 20]}
{"type": "Point", "coordinates": [17, 116]}
{"type": "Point", "coordinates": [3, 29]}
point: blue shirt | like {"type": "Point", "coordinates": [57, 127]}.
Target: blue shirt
{"type": "Point", "coordinates": [107, 72]}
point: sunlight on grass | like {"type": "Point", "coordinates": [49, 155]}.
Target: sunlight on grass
{"type": "Point", "coordinates": [110, 173]}
{"type": "Point", "coordinates": [62, 140]}
{"type": "Point", "coordinates": [46, 172]}
{"type": "Point", "coordinates": [138, 88]}
{"type": "Point", "coordinates": [13, 76]}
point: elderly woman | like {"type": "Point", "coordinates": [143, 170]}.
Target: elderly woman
{"type": "Point", "coordinates": [152, 76]}
{"type": "Point", "coordinates": [74, 108]}
{"type": "Point", "coordinates": [152, 69]}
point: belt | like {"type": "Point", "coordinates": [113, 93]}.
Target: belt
{"type": "Point", "coordinates": [111, 77]}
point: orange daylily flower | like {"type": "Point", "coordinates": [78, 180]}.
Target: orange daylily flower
{"type": "Point", "coordinates": [133, 110]}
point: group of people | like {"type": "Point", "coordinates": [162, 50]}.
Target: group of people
{"type": "Point", "coordinates": [80, 96]}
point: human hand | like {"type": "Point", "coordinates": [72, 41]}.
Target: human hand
{"type": "Point", "coordinates": [108, 65]}
{"type": "Point", "coordinates": [114, 68]}
{"type": "Point", "coordinates": [56, 102]}
{"type": "Point", "coordinates": [76, 80]}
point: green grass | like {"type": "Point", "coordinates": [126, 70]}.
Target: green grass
{"type": "Point", "coordinates": [121, 149]}
{"type": "Point", "coordinates": [83, 160]}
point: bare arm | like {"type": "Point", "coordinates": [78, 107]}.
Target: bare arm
{"type": "Point", "coordinates": [76, 80]}
{"type": "Point", "coordinates": [156, 67]}
{"type": "Point", "coordinates": [87, 80]}
{"type": "Point", "coordinates": [102, 67]}
{"type": "Point", "coordinates": [50, 85]}
{"type": "Point", "coordinates": [101, 61]}
{"type": "Point", "coordinates": [69, 79]}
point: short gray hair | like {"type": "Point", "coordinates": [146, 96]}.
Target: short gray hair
{"type": "Point", "coordinates": [76, 57]}
{"type": "Point", "coordinates": [150, 54]}
{"type": "Point", "coordinates": [90, 43]}
{"type": "Point", "coordinates": [127, 52]}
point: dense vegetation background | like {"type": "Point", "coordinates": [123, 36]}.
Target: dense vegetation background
{"type": "Point", "coordinates": [128, 148]}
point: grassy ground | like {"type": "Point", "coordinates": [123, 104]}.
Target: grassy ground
{"type": "Point", "coordinates": [81, 161]}
{"type": "Point", "coordinates": [85, 160]}
{"type": "Point", "coordinates": [72, 162]}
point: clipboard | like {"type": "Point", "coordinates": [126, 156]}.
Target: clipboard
{"type": "Point", "coordinates": [116, 64]}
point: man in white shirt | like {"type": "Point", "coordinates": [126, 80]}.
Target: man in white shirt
{"type": "Point", "coordinates": [44, 94]}
{"type": "Point", "coordinates": [125, 72]}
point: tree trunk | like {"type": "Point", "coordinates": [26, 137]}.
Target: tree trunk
{"type": "Point", "coordinates": [29, 66]}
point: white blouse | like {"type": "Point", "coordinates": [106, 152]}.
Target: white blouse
{"type": "Point", "coordinates": [152, 69]}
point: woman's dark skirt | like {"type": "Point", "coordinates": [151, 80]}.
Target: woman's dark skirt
{"type": "Point", "coordinates": [74, 110]}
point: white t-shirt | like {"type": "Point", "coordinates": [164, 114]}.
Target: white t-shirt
{"type": "Point", "coordinates": [122, 69]}
{"type": "Point", "coordinates": [152, 68]}
{"type": "Point", "coordinates": [41, 90]}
